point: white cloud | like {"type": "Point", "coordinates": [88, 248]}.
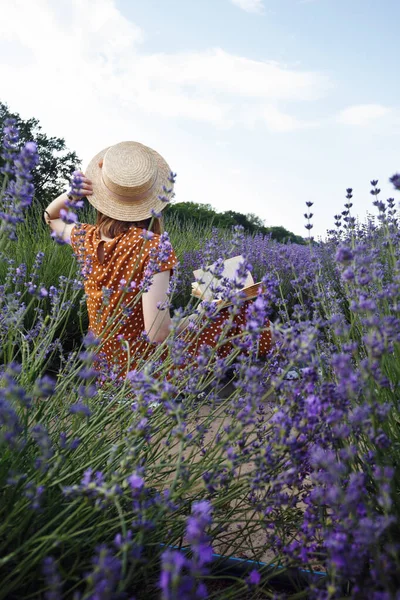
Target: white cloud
{"type": "Point", "coordinates": [222, 73]}
{"type": "Point", "coordinates": [280, 122]}
{"type": "Point", "coordinates": [362, 114]}
{"type": "Point", "coordinates": [251, 6]}
{"type": "Point", "coordinates": [86, 65]}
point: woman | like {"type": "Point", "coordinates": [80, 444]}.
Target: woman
{"type": "Point", "coordinates": [130, 184]}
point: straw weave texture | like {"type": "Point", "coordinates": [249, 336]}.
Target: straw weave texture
{"type": "Point", "coordinates": [128, 185]}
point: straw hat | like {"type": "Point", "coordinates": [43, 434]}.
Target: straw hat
{"type": "Point", "coordinates": [130, 181]}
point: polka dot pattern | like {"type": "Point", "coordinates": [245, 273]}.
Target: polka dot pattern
{"type": "Point", "coordinates": [113, 271]}
{"type": "Point", "coordinates": [213, 333]}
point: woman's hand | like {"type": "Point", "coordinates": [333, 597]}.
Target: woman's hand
{"type": "Point", "coordinates": [81, 186]}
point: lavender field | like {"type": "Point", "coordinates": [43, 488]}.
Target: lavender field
{"type": "Point", "coordinates": [122, 491]}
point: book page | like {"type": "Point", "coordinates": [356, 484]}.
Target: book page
{"type": "Point", "coordinates": [231, 266]}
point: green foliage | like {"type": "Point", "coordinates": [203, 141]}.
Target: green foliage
{"type": "Point", "coordinates": [206, 215]}
{"type": "Point", "coordinates": [280, 234]}
{"type": "Point", "coordinates": [56, 164]}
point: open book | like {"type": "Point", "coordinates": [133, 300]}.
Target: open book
{"type": "Point", "coordinates": [205, 281]}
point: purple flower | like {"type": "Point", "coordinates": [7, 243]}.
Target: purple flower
{"type": "Point", "coordinates": [80, 409]}
{"type": "Point", "coordinates": [348, 274]}
{"type": "Point", "coordinates": [155, 214]}
{"type": "Point", "coordinates": [68, 216]}
{"type": "Point", "coordinates": [34, 494]}
{"type": "Point", "coordinates": [11, 390]}
{"type": "Point", "coordinates": [10, 146]}
{"type": "Point", "coordinates": [87, 391]}
{"type": "Point", "coordinates": [158, 255]}
{"type": "Point", "coordinates": [90, 340]}
{"type": "Point", "coordinates": [147, 235]}
{"type": "Point", "coordinates": [179, 575]}
{"type": "Point", "coordinates": [105, 575]}
{"type": "Point", "coordinates": [172, 177]}
{"type": "Point", "coordinates": [93, 485]}
{"type": "Point", "coordinates": [375, 190]}
{"type": "Point", "coordinates": [136, 482]}
{"type": "Point", "coordinates": [45, 386]}
{"type": "Point", "coordinates": [395, 180]}
{"type": "Point", "coordinates": [174, 585]}
{"type": "Point", "coordinates": [76, 183]}
{"type": "Point", "coordinates": [254, 577]}
{"type": "Point", "coordinates": [199, 541]}
{"type": "Point", "coordinates": [19, 191]}
{"type": "Point", "coordinates": [52, 579]}
{"type": "Point", "coordinates": [42, 439]}
{"type": "Point", "coordinates": [66, 444]}
{"type": "Point", "coordinates": [87, 373]}
{"type": "Point", "coordinates": [344, 255]}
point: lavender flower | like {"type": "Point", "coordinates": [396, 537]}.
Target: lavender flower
{"type": "Point", "coordinates": [254, 577]}
{"type": "Point", "coordinates": [94, 486]}
{"type": "Point", "coordinates": [103, 579]}
{"type": "Point", "coordinates": [375, 190]}
{"type": "Point", "coordinates": [9, 146]}
{"type": "Point", "coordinates": [68, 216]}
{"type": "Point", "coordinates": [159, 254]}
{"type": "Point", "coordinates": [174, 585]}
{"type": "Point", "coordinates": [80, 409]}
{"type": "Point", "coordinates": [195, 532]}
{"type": "Point", "coordinates": [19, 192]}
{"type": "Point", "coordinates": [76, 183]}
{"type": "Point", "coordinates": [52, 579]}
{"type": "Point", "coordinates": [136, 482]}
{"type": "Point", "coordinates": [344, 255]}
{"type": "Point", "coordinates": [179, 575]}
{"type": "Point", "coordinates": [42, 439]}
{"type": "Point", "coordinates": [395, 180]}
{"type": "Point", "coordinates": [10, 426]}
{"type": "Point", "coordinates": [34, 493]}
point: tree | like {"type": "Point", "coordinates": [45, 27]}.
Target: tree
{"type": "Point", "coordinates": [204, 213]}
{"type": "Point", "coordinates": [280, 234]}
{"type": "Point", "coordinates": [255, 220]}
{"type": "Point", "coordinates": [56, 163]}
{"type": "Point", "coordinates": [201, 213]}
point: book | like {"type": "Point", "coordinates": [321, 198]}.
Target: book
{"type": "Point", "coordinates": [205, 281]}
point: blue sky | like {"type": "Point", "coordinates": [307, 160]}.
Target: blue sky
{"type": "Point", "coordinates": [259, 105]}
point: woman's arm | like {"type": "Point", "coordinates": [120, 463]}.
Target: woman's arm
{"type": "Point", "coordinates": [157, 322]}
{"type": "Point", "coordinates": [52, 212]}
{"type": "Point", "coordinates": [52, 217]}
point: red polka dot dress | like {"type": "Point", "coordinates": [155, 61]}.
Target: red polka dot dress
{"type": "Point", "coordinates": [222, 330]}
{"type": "Point", "coordinates": [112, 281]}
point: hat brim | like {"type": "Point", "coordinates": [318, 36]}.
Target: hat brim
{"type": "Point", "coordinates": [131, 210]}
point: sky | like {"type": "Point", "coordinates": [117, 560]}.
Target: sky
{"type": "Point", "coordinates": [258, 105]}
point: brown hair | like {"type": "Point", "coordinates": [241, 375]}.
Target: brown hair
{"type": "Point", "coordinates": [112, 227]}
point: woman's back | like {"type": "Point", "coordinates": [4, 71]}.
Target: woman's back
{"type": "Point", "coordinates": [115, 271]}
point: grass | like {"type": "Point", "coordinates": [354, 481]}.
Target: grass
{"type": "Point", "coordinates": [293, 470]}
